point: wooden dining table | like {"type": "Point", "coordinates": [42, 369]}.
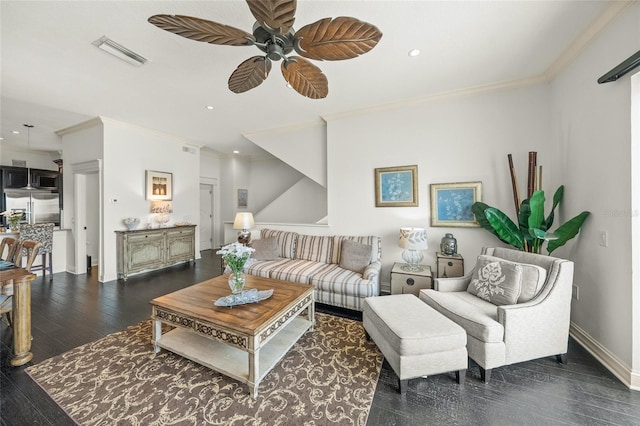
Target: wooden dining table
{"type": "Point", "coordinates": [17, 281]}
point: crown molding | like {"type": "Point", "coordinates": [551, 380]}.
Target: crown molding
{"type": "Point", "coordinates": [97, 121]}
{"type": "Point", "coordinates": [609, 15]}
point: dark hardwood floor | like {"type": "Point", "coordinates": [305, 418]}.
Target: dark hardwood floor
{"type": "Point", "coordinates": [73, 310]}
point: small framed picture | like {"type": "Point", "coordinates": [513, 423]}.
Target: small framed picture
{"type": "Point", "coordinates": [396, 186]}
{"type": "Point", "coordinates": [159, 185]}
{"type": "Point", "coordinates": [451, 203]}
{"type": "Point", "coordinates": [243, 198]}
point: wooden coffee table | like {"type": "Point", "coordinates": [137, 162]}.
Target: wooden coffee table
{"type": "Point", "coordinates": [243, 342]}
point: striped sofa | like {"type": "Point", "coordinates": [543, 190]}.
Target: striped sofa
{"type": "Point", "coordinates": [315, 260]}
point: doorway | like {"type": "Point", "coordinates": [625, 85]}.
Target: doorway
{"type": "Point", "coordinates": [209, 212]}
{"type": "Point", "coordinates": [206, 216]}
{"type": "Point", "coordinates": [87, 218]}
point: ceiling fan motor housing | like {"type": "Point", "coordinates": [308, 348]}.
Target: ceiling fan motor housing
{"type": "Point", "coordinates": [274, 45]}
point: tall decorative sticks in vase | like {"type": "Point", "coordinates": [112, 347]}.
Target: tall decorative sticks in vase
{"type": "Point", "coordinates": [534, 178]}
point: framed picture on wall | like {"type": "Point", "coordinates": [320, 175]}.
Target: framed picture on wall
{"type": "Point", "coordinates": [451, 203]}
{"type": "Point", "coordinates": [243, 198]}
{"type": "Point", "coordinates": [396, 186]}
{"type": "Point", "coordinates": [159, 185]}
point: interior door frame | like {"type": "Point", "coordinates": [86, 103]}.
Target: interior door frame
{"type": "Point", "coordinates": [215, 223]}
{"type": "Point", "coordinates": [80, 170]}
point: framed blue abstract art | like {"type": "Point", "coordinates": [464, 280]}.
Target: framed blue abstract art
{"type": "Point", "coordinates": [451, 203]}
{"type": "Point", "coordinates": [397, 186]}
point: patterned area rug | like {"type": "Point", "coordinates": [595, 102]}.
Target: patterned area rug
{"type": "Point", "coordinates": [329, 376]}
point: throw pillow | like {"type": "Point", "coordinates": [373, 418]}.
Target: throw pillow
{"type": "Point", "coordinates": [354, 256]}
{"type": "Point", "coordinates": [496, 281]}
{"type": "Point", "coordinates": [533, 278]}
{"type": "Point", "coordinates": [265, 249]}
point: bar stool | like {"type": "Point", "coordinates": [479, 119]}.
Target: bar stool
{"type": "Point", "coordinates": [43, 233]}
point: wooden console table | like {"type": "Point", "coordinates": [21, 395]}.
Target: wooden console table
{"type": "Point", "coordinates": [150, 249]}
{"type": "Point", "coordinates": [20, 279]}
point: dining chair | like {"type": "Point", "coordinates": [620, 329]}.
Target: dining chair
{"type": "Point", "coordinates": [31, 249]}
{"type": "Point", "coordinates": [7, 244]}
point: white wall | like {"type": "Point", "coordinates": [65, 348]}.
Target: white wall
{"type": "Point", "coordinates": [459, 139]}
{"type": "Point", "coordinates": [591, 129]}
{"type": "Point", "coordinates": [128, 152]}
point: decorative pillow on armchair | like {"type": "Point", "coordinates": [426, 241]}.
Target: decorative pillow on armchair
{"type": "Point", "coordinates": [265, 249]}
{"type": "Point", "coordinates": [354, 256]}
{"type": "Point", "coordinates": [496, 281]}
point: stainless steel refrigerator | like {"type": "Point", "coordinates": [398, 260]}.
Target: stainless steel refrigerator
{"type": "Point", "coordinates": [38, 206]}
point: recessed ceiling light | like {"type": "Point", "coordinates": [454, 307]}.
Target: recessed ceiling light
{"type": "Point", "coordinates": [15, 132]}
{"type": "Point", "coordinates": [414, 52]}
{"type": "Point", "coordinates": [235, 151]}
{"type": "Point", "coordinates": [209, 107]}
{"type": "Point", "coordinates": [119, 51]}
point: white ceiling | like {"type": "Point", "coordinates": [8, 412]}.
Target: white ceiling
{"type": "Point", "coordinates": [53, 77]}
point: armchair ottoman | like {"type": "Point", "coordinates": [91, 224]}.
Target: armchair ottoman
{"type": "Point", "coordinates": [415, 339]}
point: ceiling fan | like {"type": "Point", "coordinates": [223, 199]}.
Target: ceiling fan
{"type": "Point", "coordinates": [327, 39]}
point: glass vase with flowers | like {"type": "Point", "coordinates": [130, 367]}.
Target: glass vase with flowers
{"type": "Point", "coordinates": [235, 255]}
{"type": "Point", "coordinates": [13, 218]}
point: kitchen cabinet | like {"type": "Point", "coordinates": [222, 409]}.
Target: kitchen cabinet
{"type": "Point", "coordinates": [151, 249]}
{"type": "Point", "coordinates": [15, 177]}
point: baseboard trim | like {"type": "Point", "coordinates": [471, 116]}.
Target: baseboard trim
{"type": "Point", "coordinates": [627, 376]}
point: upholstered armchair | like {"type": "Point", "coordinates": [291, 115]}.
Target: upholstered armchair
{"type": "Point", "coordinates": [515, 306]}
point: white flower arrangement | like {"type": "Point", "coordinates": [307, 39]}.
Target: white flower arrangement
{"type": "Point", "coordinates": [235, 256]}
{"type": "Point", "coordinates": [13, 217]}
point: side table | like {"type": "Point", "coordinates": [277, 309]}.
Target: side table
{"type": "Point", "coordinates": [449, 266]}
{"type": "Point", "coordinates": [405, 282]}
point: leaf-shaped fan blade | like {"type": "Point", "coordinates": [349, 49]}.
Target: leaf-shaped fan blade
{"type": "Point", "coordinates": [249, 74]}
{"type": "Point", "coordinates": [305, 78]}
{"type": "Point", "coordinates": [202, 30]}
{"type": "Point", "coordinates": [275, 16]}
{"type": "Point", "coordinates": [336, 39]}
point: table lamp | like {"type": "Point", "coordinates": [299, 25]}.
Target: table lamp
{"type": "Point", "coordinates": [244, 222]}
{"type": "Point", "coordinates": [413, 241]}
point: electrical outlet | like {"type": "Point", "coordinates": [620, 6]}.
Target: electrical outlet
{"type": "Point", "coordinates": [575, 292]}
{"type": "Point", "coordinates": [604, 239]}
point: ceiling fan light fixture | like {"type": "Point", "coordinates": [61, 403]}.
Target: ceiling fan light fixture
{"type": "Point", "coordinates": [119, 51]}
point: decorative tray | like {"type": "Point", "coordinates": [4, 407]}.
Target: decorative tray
{"type": "Point", "coordinates": [247, 296]}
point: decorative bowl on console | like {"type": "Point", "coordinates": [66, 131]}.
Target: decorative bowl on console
{"type": "Point", "coordinates": [131, 223]}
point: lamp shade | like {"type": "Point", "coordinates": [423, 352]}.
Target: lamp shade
{"type": "Point", "coordinates": [243, 220]}
{"type": "Point", "coordinates": [413, 239]}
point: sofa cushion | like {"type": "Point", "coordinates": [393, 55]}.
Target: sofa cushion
{"type": "Point", "coordinates": [478, 317]}
{"type": "Point", "coordinates": [297, 271]}
{"type": "Point", "coordinates": [496, 281]}
{"type": "Point", "coordinates": [372, 241]}
{"type": "Point", "coordinates": [265, 249]}
{"type": "Point", "coordinates": [343, 281]}
{"type": "Point", "coordinates": [533, 278]}
{"type": "Point", "coordinates": [314, 248]}
{"type": "Point", "coordinates": [286, 241]}
{"type": "Point", "coordinates": [263, 268]}
{"type": "Point", "coordinates": [354, 256]}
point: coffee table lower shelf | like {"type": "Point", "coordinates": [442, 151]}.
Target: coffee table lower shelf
{"type": "Point", "coordinates": [231, 361]}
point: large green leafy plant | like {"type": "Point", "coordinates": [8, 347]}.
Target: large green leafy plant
{"type": "Point", "coordinates": [533, 228]}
